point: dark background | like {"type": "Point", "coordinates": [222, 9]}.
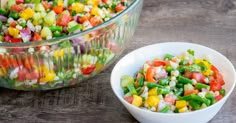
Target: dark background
{"type": "Point", "coordinates": [208, 22]}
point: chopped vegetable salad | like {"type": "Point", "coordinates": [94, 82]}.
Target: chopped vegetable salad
{"type": "Point", "coordinates": [175, 84]}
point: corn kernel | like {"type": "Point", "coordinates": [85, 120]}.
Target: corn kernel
{"type": "Point", "coordinates": [184, 109]}
{"type": "Point", "coordinates": [60, 3]}
{"type": "Point", "coordinates": [93, 2]}
{"type": "Point", "coordinates": [13, 32]}
{"type": "Point", "coordinates": [152, 92]}
{"type": "Point", "coordinates": [78, 7]}
{"type": "Point", "coordinates": [27, 14]}
{"type": "Point", "coordinates": [61, 53]}
{"type": "Point", "coordinates": [153, 101]}
{"type": "Point", "coordinates": [56, 54]}
{"type": "Point", "coordinates": [137, 101]}
{"type": "Point", "coordinates": [180, 104]}
{"type": "Point", "coordinates": [95, 11]}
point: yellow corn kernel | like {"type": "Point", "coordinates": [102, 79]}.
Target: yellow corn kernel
{"type": "Point", "coordinates": [3, 72]}
{"type": "Point", "coordinates": [184, 109]}
{"type": "Point", "coordinates": [95, 11]}
{"type": "Point", "coordinates": [152, 92]}
{"type": "Point", "coordinates": [78, 7]}
{"type": "Point", "coordinates": [27, 14]}
{"type": "Point", "coordinates": [49, 76]}
{"type": "Point", "coordinates": [61, 53]}
{"type": "Point", "coordinates": [93, 2]}
{"type": "Point", "coordinates": [207, 64]}
{"type": "Point", "coordinates": [13, 32]}
{"type": "Point", "coordinates": [153, 101]}
{"type": "Point", "coordinates": [137, 100]}
{"type": "Point", "coordinates": [60, 3]}
{"type": "Point", "coordinates": [180, 104]}
{"type": "Point", "coordinates": [56, 54]}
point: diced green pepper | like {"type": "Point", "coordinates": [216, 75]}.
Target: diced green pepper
{"type": "Point", "coordinates": [14, 15]}
{"type": "Point", "coordinates": [55, 28]}
{"type": "Point", "coordinates": [169, 68]}
{"type": "Point", "coordinates": [222, 92]}
{"type": "Point", "coordinates": [168, 56]}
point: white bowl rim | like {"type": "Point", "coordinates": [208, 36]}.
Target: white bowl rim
{"type": "Point", "coordinates": [174, 114]}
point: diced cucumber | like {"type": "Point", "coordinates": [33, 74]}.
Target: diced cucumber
{"type": "Point", "coordinates": [188, 87]}
{"type": "Point", "coordinates": [39, 7]}
{"type": "Point", "coordinates": [10, 3]}
{"type": "Point", "coordinates": [50, 18]}
{"type": "Point", "coordinates": [126, 80]}
{"type": "Point", "coordinates": [46, 32]}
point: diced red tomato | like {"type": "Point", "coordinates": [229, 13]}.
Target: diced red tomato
{"type": "Point", "coordinates": [104, 1]}
{"type": "Point", "coordinates": [12, 61]}
{"type": "Point", "coordinates": [7, 38]}
{"type": "Point", "coordinates": [17, 50]}
{"type": "Point", "coordinates": [36, 37]}
{"type": "Point", "coordinates": [64, 20]}
{"type": "Point", "coordinates": [188, 74]}
{"type": "Point", "coordinates": [169, 99]}
{"type": "Point", "coordinates": [218, 98]}
{"type": "Point", "coordinates": [188, 92]}
{"type": "Point", "coordinates": [46, 5]}
{"type": "Point", "coordinates": [15, 40]}
{"type": "Point", "coordinates": [157, 63]}
{"type": "Point", "coordinates": [17, 8]}
{"type": "Point", "coordinates": [113, 46]}
{"type": "Point", "coordinates": [22, 74]}
{"type": "Point", "coordinates": [217, 75]}
{"type": "Point", "coordinates": [13, 24]}
{"type": "Point", "coordinates": [4, 62]}
{"type": "Point", "coordinates": [95, 21]}
{"type": "Point", "coordinates": [150, 74]}
{"type": "Point", "coordinates": [119, 7]}
{"type": "Point", "coordinates": [19, 1]}
{"type": "Point", "coordinates": [129, 99]}
{"type": "Point", "coordinates": [199, 77]}
{"type": "Point", "coordinates": [215, 86]}
{"type": "Point", "coordinates": [27, 63]}
{"type": "Point", "coordinates": [88, 70]}
{"type": "Point", "coordinates": [83, 19]}
{"type": "Point", "coordinates": [34, 74]}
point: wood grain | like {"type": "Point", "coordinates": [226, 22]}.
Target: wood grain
{"type": "Point", "coordinates": [208, 22]}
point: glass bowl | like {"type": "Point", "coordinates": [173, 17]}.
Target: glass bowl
{"type": "Point", "coordinates": [67, 60]}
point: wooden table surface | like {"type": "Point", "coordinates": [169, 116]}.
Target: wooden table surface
{"type": "Point", "coordinates": [208, 22]}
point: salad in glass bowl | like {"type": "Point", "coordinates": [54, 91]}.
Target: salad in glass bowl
{"type": "Point", "coordinates": [48, 44]}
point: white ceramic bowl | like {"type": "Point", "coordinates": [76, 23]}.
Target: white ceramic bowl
{"type": "Point", "coordinates": [132, 62]}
